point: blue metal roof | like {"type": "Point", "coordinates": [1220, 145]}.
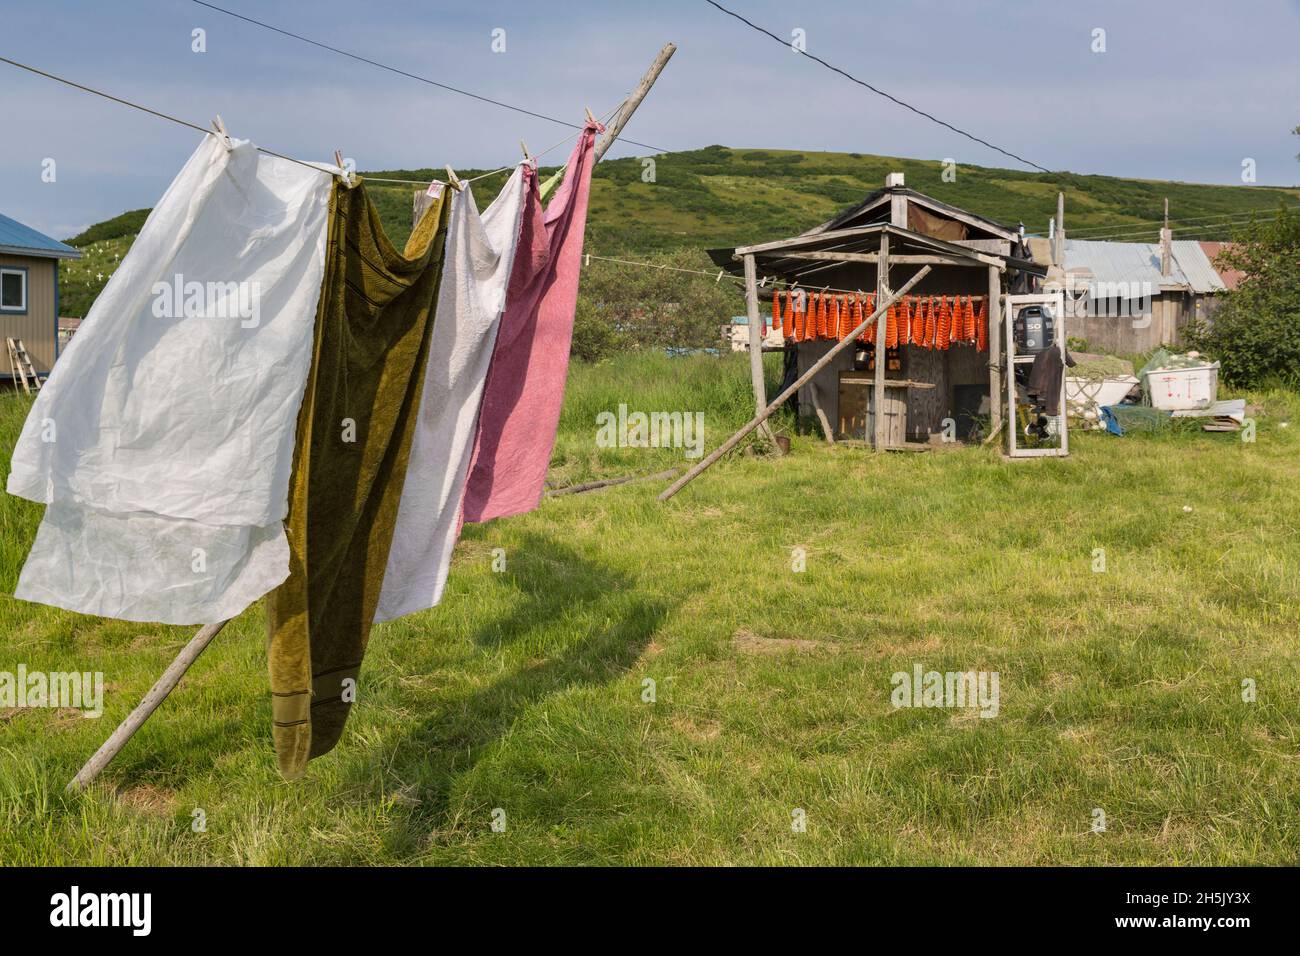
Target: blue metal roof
{"type": "Point", "coordinates": [17, 239]}
{"type": "Point", "coordinates": [1136, 262]}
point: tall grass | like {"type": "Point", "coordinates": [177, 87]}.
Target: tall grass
{"type": "Point", "coordinates": [657, 683]}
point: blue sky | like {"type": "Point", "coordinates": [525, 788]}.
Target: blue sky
{"type": "Point", "coordinates": [1185, 90]}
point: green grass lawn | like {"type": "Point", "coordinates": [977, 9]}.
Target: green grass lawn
{"type": "Point", "coordinates": [524, 690]}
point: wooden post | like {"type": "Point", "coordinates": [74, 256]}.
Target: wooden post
{"type": "Point", "coordinates": [799, 383]}
{"type": "Point", "coordinates": [611, 132]}
{"type": "Point", "coordinates": [755, 341]}
{"type": "Point", "coordinates": [995, 346]}
{"type": "Point", "coordinates": [157, 694]}
{"type": "Point", "coordinates": [629, 107]}
{"type": "Point", "coordinates": [878, 392]}
{"type": "Point", "coordinates": [815, 395]}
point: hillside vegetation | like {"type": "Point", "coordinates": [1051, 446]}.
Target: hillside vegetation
{"type": "Point", "coordinates": [718, 196]}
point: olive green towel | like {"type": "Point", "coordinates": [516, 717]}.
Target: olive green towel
{"type": "Point", "coordinates": [350, 454]}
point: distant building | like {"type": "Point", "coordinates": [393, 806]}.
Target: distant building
{"type": "Point", "coordinates": [29, 292]}
{"type": "Point", "coordinates": [1130, 297]}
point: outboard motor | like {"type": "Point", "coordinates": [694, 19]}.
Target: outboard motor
{"type": "Point", "coordinates": [1034, 328]}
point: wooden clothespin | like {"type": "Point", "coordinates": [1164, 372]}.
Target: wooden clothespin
{"type": "Point", "coordinates": [220, 129]}
{"type": "Point", "coordinates": [348, 179]}
{"type": "Point", "coordinates": [719, 278]}
{"type": "Point", "coordinates": [453, 180]}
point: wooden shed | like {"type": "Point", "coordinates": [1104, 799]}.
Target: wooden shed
{"type": "Point", "coordinates": [29, 293]}
{"type": "Point", "coordinates": [928, 392]}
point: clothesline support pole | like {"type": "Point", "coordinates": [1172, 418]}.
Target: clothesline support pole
{"type": "Point", "coordinates": [611, 132]}
{"type": "Point", "coordinates": [804, 379]}
{"type": "Point", "coordinates": [620, 119]}
{"type": "Point", "coordinates": [135, 720]}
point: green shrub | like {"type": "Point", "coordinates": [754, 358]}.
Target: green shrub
{"type": "Point", "coordinates": [1255, 333]}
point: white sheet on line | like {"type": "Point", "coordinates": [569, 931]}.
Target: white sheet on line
{"type": "Point", "coordinates": [167, 477]}
{"type": "Point", "coordinates": [480, 252]}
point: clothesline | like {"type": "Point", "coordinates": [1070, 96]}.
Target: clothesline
{"type": "Point", "coordinates": [413, 76]}
{"type": "Point", "coordinates": [430, 356]}
{"type": "Point", "coordinates": [504, 169]}
{"type": "Point", "coordinates": [262, 149]}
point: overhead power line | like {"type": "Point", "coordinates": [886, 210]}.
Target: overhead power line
{"type": "Point", "coordinates": [414, 76]}
{"type": "Point", "coordinates": [1189, 223]}
{"type": "Point", "coordinates": [260, 149]}
{"type": "Point", "coordinates": [876, 90]}
{"type": "Point", "coordinates": [1154, 230]}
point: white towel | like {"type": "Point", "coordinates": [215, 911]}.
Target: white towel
{"type": "Point", "coordinates": [476, 272]}
{"type": "Point", "coordinates": [163, 440]}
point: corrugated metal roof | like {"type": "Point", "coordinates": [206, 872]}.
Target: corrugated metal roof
{"type": "Point", "coordinates": [1231, 277]}
{"type": "Point", "coordinates": [26, 241]}
{"type": "Point", "coordinates": [1197, 267]}
{"type": "Point", "coordinates": [1139, 262]}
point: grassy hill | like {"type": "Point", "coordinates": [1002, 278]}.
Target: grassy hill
{"type": "Point", "coordinates": [718, 196]}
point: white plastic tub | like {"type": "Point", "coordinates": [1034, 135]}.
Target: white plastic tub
{"type": "Point", "coordinates": [1175, 389]}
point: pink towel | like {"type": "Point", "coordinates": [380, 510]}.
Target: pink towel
{"type": "Point", "coordinates": [520, 411]}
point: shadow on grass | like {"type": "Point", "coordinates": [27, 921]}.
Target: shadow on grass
{"type": "Point", "coordinates": [552, 581]}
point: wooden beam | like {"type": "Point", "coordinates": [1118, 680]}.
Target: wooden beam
{"type": "Point", "coordinates": [937, 259]}
{"type": "Point", "coordinates": [940, 246]}
{"type": "Point", "coordinates": [629, 107]}
{"type": "Point", "coordinates": [815, 394]}
{"type": "Point", "coordinates": [994, 359]}
{"type": "Point", "coordinates": [800, 382]}
{"type": "Point", "coordinates": [878, 392]}
{"type": "Point", "coordinates": [755, 341]}
{"type": "Point", "coordinates": [804, 240]}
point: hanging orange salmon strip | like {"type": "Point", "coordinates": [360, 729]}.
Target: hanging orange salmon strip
{"type": "Point", "coordinates": [857, 313]}
{"type": "Point", "coordinates": [982, 327]}
{"type": "Point", "coordinates": [868, 308]}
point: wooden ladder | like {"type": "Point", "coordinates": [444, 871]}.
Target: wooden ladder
{"type": "Point", "coordinates": [20, 363]}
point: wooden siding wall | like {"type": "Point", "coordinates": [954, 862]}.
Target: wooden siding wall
{"type": "Point", "coordinates": [36, 328]}
{"type": "Point", "coordinates": [1170, 313]}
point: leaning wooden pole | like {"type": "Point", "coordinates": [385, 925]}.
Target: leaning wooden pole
{"type": "Point", "coordinates": [190, 653]}
{"type": "Point", "coordinates": [803, 380]}
{"type": "Point", "coordinates": [629, 107]}
{"type": "Point", "coordinates": [157, 694]}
